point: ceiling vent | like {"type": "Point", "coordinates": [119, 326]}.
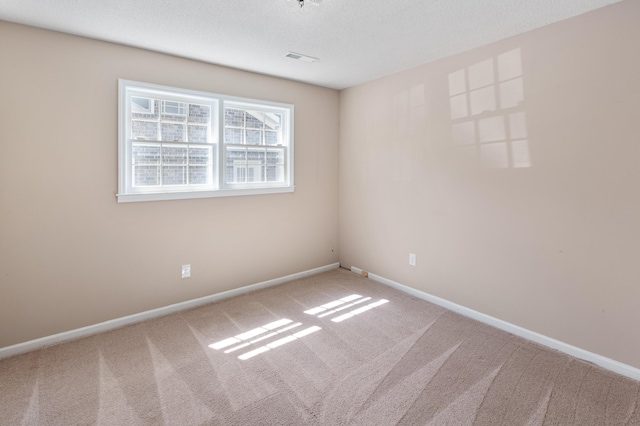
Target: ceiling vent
{"type": "Point", "coordinates": [301, 57]}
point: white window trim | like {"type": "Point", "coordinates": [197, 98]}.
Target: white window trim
{"type": "Point", "coordinates": [126, 193]}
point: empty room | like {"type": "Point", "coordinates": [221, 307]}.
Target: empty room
{"type": "Point", "coordinates": [320, 212]}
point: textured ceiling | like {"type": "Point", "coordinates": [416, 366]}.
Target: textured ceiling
{"type": "Point", "coordinates": [356, 40]}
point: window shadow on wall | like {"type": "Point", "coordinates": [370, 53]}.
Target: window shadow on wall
{"type": "Point", "coordinates": [488, 121]}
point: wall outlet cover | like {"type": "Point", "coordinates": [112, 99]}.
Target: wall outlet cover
{"type": "Point", "coordinates": [186, 271]}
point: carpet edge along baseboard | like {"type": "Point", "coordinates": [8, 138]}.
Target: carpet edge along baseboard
{"type": "Point", "coordinates": [65, 336]}
{"type": "Point", "coordinates": [602, 361]}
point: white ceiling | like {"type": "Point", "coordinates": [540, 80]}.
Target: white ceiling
{"type": "Point", "coordinates": [356, 40]}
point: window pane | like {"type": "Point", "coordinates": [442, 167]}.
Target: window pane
{"type": "Point", "coordinates": [198, 133]}
{"type": "Point", "coordinates": [275, 173]}
{"type": "Point", "coordinates": [144, 130]}
{"type": "Point", "coordinates": [174, 118]}
{"type": "Point", "coordinates": [174, 112]}
{"type": "Point", "coordinates": [236, 155]}
{"type": "Point", "coordinates": [142, 105]}
{"type": "Point", "coordinates": [254, 137]}
{"type": "Point", "coordinates": [174, 170]}
{"type": "Point", "coordinates": [199, 175]}
{"type": "Point", "coordinates": [173, 132]}
{"type": "Point", "coordinates": [233, 117]}
{"type": "Point", "coordinates": [275, 156]}
{"type": "Point", "coordinates": [199, 113]}
{"type": "Point", "coordinates": [200, 156]}
{"type": "Point", "coordinates": [240, 174]}
{"type": "Point", "coordinates": [255, 119]}
{"type": "Point", "coordinates": [233, 136]}
{"type": "Point", "coordinates": [255, 156]}
{"type": "Point", "coordinates": [255, 164]}
{"type": "Point", "coordinates": [174, 155]}
{"type": "Point", "coordinates": [174, 108]}
{"type": "Point", "coordinates": [145, 154]}
{"type": "Point", "coordinates": [146, 165]}
{"type": "Point", "coordinates": [272, 121]}
{"type": "Point", "coordinates": [236, 163]}
{"type": "Point", "coordinates": [255, 173]}
{"type": "Point", "coordinates": [174, 175]}
{"type": "Point", "coordinates": [146, 175]}
{"type": "Point", "coordinates": [271, 138]}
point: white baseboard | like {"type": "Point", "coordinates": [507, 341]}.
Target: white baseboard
{"type": "Point", "coordinates": [604, 362]}
{"type": "Point", "coordinates": [142, 316]}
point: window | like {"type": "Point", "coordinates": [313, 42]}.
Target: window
{"type": "Point", "coordinates": [176, 143]}
{"type": "Point", "coordinates": [253, 145]}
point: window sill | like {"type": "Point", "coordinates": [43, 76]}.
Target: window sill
{"type": "Point", "coordinates": [165, 196]}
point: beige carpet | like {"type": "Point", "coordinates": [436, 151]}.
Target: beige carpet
{"type": "Point", "coordinates": [363, 354]}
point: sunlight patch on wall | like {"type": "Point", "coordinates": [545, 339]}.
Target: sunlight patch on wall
{"type": "Point", "coordinates": [486, 106]}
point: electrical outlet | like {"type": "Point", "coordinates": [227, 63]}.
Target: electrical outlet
{"type": "Point", "coordinates": [186, 271]}
{"type": "Point", "coordinates": [412, 259]}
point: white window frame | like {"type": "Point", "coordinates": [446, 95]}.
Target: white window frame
{"type": "Point", "coordinates": [217, 187]}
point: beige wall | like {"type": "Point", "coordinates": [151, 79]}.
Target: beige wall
{"type": "Point", "coordinates": [540, 229]}
{"type": "Point", "coordinates": [70, 256]}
